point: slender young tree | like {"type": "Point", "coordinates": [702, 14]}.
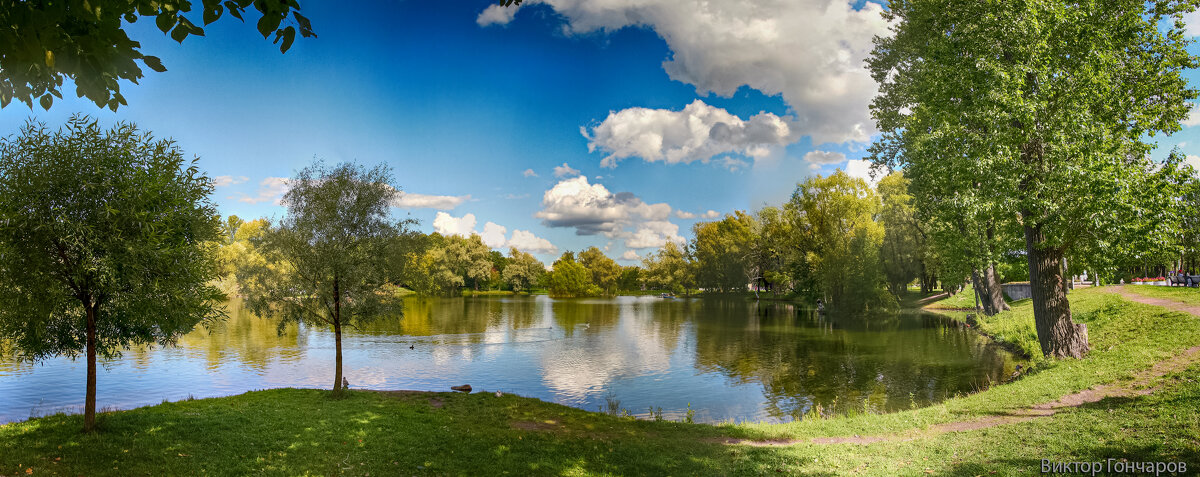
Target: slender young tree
{"type": "Point", "coordinates": [1042, 106]}
{"type": "Point", "coordinates": [102, 244]}
{"type": "Point", "coordinates": [325, 261]}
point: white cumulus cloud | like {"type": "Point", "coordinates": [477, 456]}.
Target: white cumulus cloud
{"type": "Point", "coordinates": [526, 241]}
{"type": "Point", "coordinates": [496, 15]}
{"type": "Point", "coordinates": [565, 171]}
{"type": "Point", "coordinates": [824, 157]}
{"type": "Point", "coordinates": [592, 209]}
{"type": "Point", "coordinates": [270, 189]}
{"type": "Point", "coordinates": [861, 168]}
{"type": "Point", "coordinates": [696, 133]}
{"type": "Point", "coordinates": [811, 52]}
{"type": "Point", "coordinates": [409, 200]}
{"type": "Point", "coordinates": [447, 224]}
{"type": "Point", "coordinates": [225, 181]}
{"type": "Point", "coordinates": [529, 173]}
{"type": "Point", "coordinates": [710, 214]}
{"type": "Point", "coordinates": [1194, 115]}
{"type": "Point", "coordinates": [630, 255]}
{"type": "Point", "coordinates": [493, 234]}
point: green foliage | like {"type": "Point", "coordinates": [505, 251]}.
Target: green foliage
{"type": "Point", "coordinates": [104, 243]}
{"type": "Point", "coordinates": [523, 270]}
{"type": "Point", "coordinates": [605, 272]}
{"type": "Point", "coordinates": [323, 262]}
{"type": "Point", "coordinates": [834, 222]}
{"type": "Point", "coordinates": [1037, 110]}
{"type": "Point", "coordinates": [724, 252]}
{"type": "Point", "coordinates": [903, 250]}
{"type": "Point", "coordinates": [113, 220]}
{"type": "Point", "coordinates": [669, 269]}
{"type": "Point", "coordinates": [85, 40]}
{"type": "Point", "coordinates": [570, 278]}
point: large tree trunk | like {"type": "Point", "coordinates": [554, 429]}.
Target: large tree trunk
{"type": "Point", "coordinates": [1059, 336]}
{"type": "Point", "coordinates": [89, 400]}
{"type": "Point", "coordinates": [337, 338]}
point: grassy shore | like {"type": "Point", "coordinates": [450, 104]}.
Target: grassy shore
{"type": "Point", "coordinates": [305, 432]}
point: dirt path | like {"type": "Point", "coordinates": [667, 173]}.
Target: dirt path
{"type": "Point", "coordinates": [1138, 386]}
{"type": "Point", "coordinates": [1131, 295]}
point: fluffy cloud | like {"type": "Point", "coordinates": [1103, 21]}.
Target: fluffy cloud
{"type": "Point", "coordinates": [447, 224]}
{"type": "Point", "coordinates": [696, 133]}
{"type": "Point", "coordinates": [861, 168]}
{"type": "Point", "coordinates": [408, 200]}
{"type": "Point", "coordinates": [496, 14]}
{"type": "Point", "coordinates": [710, 214]}
{"type": "Point", "coordinates": [1193, 161]}
{"type": "Point", "coordinates": [493, 234]}
{"type": "Point", "coordinates": [654, 234]}
{"type": "Point", "coordinates": [565, 171]}
{"type": "Point", "coordinates": [1193, 116]}
{"type": "Point", "coordinates": [592, 209]}
{"type": "Point", "coordinates": [528, 172]}
{"type": "Point", "coordinates": [630, 255]}
{"type": "Point", "coordinates": [225, 181]}
{"type": "Point", "coordinates": [824, 157]}
{"type": "Point", "coordinates": [811, 52]}
{"type": "Point", "coordinates": [270, 189]}
{"type": "Point", "coordinates": [526, 241]}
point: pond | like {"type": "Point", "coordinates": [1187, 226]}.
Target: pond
{"type": "Point", "coordinates": [728, 359]}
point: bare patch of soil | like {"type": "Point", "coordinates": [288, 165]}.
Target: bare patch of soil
{"type": "Point", "coordinates": [535, 426]}
{"type": "Point", "coordinates": [1131, 295]}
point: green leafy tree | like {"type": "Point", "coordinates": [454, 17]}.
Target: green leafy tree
{"type": "Point", "coordinates": [44, 42]}
{"type": "Point", "coordinates": [835, 224]}
{"type": "Point", "coordinates": [903, 243]}
{"type": "Point", "coordinates": [570, 278]}
{"type": "Point", "coordinates": [605, 271]}
{"type": "Point", "coordinates": [327, 252]}
{"type": "Point", "coordinates": [436, 270]}
{"type": "Point", "coordinates": [1044, 105]}
{"type": "Point", "coordinates": [102, 239]}
{"type": "Point", "coordinates": [523, 270]}
{"type": "Point", "coordinates": [630, 278]}
{"type": "Point", "coordinates": [671, 268]}
{"type": "Point", "coordinates": [724, 252]}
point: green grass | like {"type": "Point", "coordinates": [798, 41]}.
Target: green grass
{"type": "Point", "coordinates": [1189, 296]}
{"type": "Point", "coordinates": [303, 432]}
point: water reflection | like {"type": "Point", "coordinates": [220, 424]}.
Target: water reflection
{"type": "Point", "coordinates": [728, 359]}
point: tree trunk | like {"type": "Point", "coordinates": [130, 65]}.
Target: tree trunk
{"type": "Point", "coordinates": [1059, 336]}
{"type": "Point", "coordinates": [337, 338]}
{"type": "Point", "coordinates": [988, 290]}
{"type": "Point", "coordinates": [89, 400]}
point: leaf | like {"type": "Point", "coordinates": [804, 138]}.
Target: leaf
{"type": "Point", "coordinates": [289, 35]}
{"type": "Point", "coordinates": [179, 33]}
{"type": "Point", "coordinates": [212, 14]}
{"type": "Point", "coordinates": [46, 101]}
{"type": "Point", "coordinates": [50, 58]}
{"type": "Point", "coordinates": [154, 63]}
{"type": "Point", "coordinates": [268, 23]}
{"type": "Point", "coordinates": [165, 21]}
{"type": "Point", "coordinates": [234, 10]}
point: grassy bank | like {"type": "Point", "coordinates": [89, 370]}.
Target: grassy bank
{"type": "Point", "coordinates": [290, 432]}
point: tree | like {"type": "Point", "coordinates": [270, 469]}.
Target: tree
{"type": "Point", "coordinates": [724, 252]}
{"type": "Point", "coordinates": [328, 251]}
{"type": "Point", "coordinates": [903, 251]}
{"type": "Point", "coordinates": [835, 224]}
{"type": "Point", "coordinates": [102, 239]}
{"type": "Point", "coordinates": [605, 271]}
{"type": "Point", "coordinates": [523, 270]}
{"type": "Point", "coordinates": [44, 42]}
{"type": "Point", "coordinates": [569, 278]}
{"type": "Point", "coordinates": [1043, 104]}
{"type": "Point", "coordinates": [670, 269]}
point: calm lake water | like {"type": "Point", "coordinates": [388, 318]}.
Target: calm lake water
{"type": "Point", "coordinates": [730, 359]}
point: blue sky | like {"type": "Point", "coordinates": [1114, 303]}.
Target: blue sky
{"type": "Point", "coordinates": [666, 110]}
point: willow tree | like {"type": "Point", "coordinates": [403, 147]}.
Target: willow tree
{"type": "Point", "coordinates": [1041, 106]}
{"type": "Point", "coordinates": [102, 244]}
{"type": "Point", "coordinates": [324, 262]}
